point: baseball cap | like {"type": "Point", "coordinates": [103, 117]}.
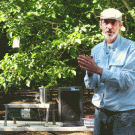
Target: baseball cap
{"type": "Point", "coordinates": [111, 13]}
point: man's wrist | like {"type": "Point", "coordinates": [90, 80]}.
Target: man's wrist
{"type": "Point", "coordinates": [99, 70]}
{"type": "Point", "coordinates": [90, 74]}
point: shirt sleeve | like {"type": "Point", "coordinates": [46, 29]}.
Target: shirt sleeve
{"type": "Point", "coordinates": [125, 77]}
{"type": "Point", "coordinates": [90, 82]}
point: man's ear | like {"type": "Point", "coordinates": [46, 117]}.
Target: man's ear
{"type": "Point", "coordinates": [121, 24]}
{"type": "Point", "coordinates": [100, 24]}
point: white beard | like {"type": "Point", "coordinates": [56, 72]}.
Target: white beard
{"type": "Point", "coordinates": [110, 36]}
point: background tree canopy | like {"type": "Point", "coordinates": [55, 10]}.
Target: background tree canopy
{"type": "Point", "coordinates": [52, 35]}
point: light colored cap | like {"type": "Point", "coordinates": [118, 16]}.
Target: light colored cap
{"type": "Point", "coordinates": [111, 13]}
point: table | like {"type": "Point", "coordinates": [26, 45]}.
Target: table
{"type": "Point", "coordinates": [43, 105]}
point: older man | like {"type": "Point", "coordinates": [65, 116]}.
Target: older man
{"type": "Point", "coordinates": [110, 71]}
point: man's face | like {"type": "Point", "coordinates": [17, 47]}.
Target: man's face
{"type": "Point", "coordinates": [110, 28]}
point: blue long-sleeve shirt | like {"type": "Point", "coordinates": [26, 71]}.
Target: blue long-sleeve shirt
{"type": "Point", "coordinates": [115, 88]}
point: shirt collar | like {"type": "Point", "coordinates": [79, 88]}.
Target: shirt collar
{"type": "Point", "coordinates": [114, 44]}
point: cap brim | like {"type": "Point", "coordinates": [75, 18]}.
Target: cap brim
{"type": "Point", "coordinates": [110, 18]}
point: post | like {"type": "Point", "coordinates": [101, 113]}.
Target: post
{"type": "Point", "coordinates": [47, 115]}
{"type": "Point", "coordinates": [53, 113]}
{"type": "Point", "coordinates": [42, 94]}
{"type": "Point", "coordinates": [6, 108]}
{"type": "Point", "coordinates": [14, 120]}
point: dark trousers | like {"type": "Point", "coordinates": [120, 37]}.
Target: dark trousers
{"type": "Point", "coordinates": [114, 123]}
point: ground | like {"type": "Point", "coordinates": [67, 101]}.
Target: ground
{"type": "Point", "coordinates": [46, 133]}
{"type": "Point", "coordinates": [40, 133]}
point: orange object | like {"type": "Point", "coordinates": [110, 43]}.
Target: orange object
{"type": "Point", "coordinates": [89, 116]}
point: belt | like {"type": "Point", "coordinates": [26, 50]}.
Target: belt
{"type": "Point", "coordinates": [112, 112]}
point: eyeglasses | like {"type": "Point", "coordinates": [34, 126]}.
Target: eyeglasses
{"type": "Point", "coordinates": [112, 21]}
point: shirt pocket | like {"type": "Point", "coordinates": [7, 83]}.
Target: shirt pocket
{"type": "Point", "coordinates": [116, 66]}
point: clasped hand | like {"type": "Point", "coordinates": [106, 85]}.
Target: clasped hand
{"type": "Point", "coordinates": [88, 63]}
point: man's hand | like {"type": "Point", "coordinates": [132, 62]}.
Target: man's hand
{"type": "Point", "coordinates": [88, 63]}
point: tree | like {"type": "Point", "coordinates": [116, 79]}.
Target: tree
{"type": "Point", "coordinates": [53, 34]}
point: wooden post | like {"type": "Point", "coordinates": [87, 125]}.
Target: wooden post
{"type": "Point", "coordinates": [53, 113]}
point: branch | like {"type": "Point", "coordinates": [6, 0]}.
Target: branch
{"type": "Point", "coordinates": [121, 7]}
{"type": "Point", "coordinates": [108, 3]}
{"type": "Point", "coordinates": [43, 21]}
{"type": "Point", "coordinates": [113, 4]}
{"type": "Point", "coordinates": [128, 7]}
{"type": "Point", "coordinates": [80, 48]}
{"type": "Point", "coordinates": [126, 25]}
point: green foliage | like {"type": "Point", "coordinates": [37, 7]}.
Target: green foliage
{"type": "Point", "coordinates": [53, 34]}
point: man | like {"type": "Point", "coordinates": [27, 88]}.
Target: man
{"type": "Point", "coordinates": [110, 71]}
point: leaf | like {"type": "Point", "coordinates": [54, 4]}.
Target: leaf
{"type": "Point", "coordinates": [16, 66]}
{"type": "Point", "coordinates": [38, 46]}
{"type": "Point", "coordinates": [88, 16]}
{"type": "Point", "coordinates": [73, 72]}
{"type": "Point", "coordinates": [6, 56]}
{"type": "Point", "coordinates": [53, 15]}
{"type": "Point", "coordinates": [123, 28]}
{"type": "Point", "coordinates": [65, 60]}
{"type": "Point", "coordinates": [59, 75]}
{"type": "Point", "coordinates": [4, 85]}
{"type": "Point", "coordinates": [94, 1]}
{"type": "Point", "coordinates": [77, 28]}
{"type": "Point", "coordinates": [33, 55]}
{"type": "Point", "coordinates": [78, 40]}
{"type": "Point", "coordinates": [28, 83]}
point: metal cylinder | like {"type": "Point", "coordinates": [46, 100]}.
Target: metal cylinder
{"type": "Point", "coordinates": [42, 94]}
